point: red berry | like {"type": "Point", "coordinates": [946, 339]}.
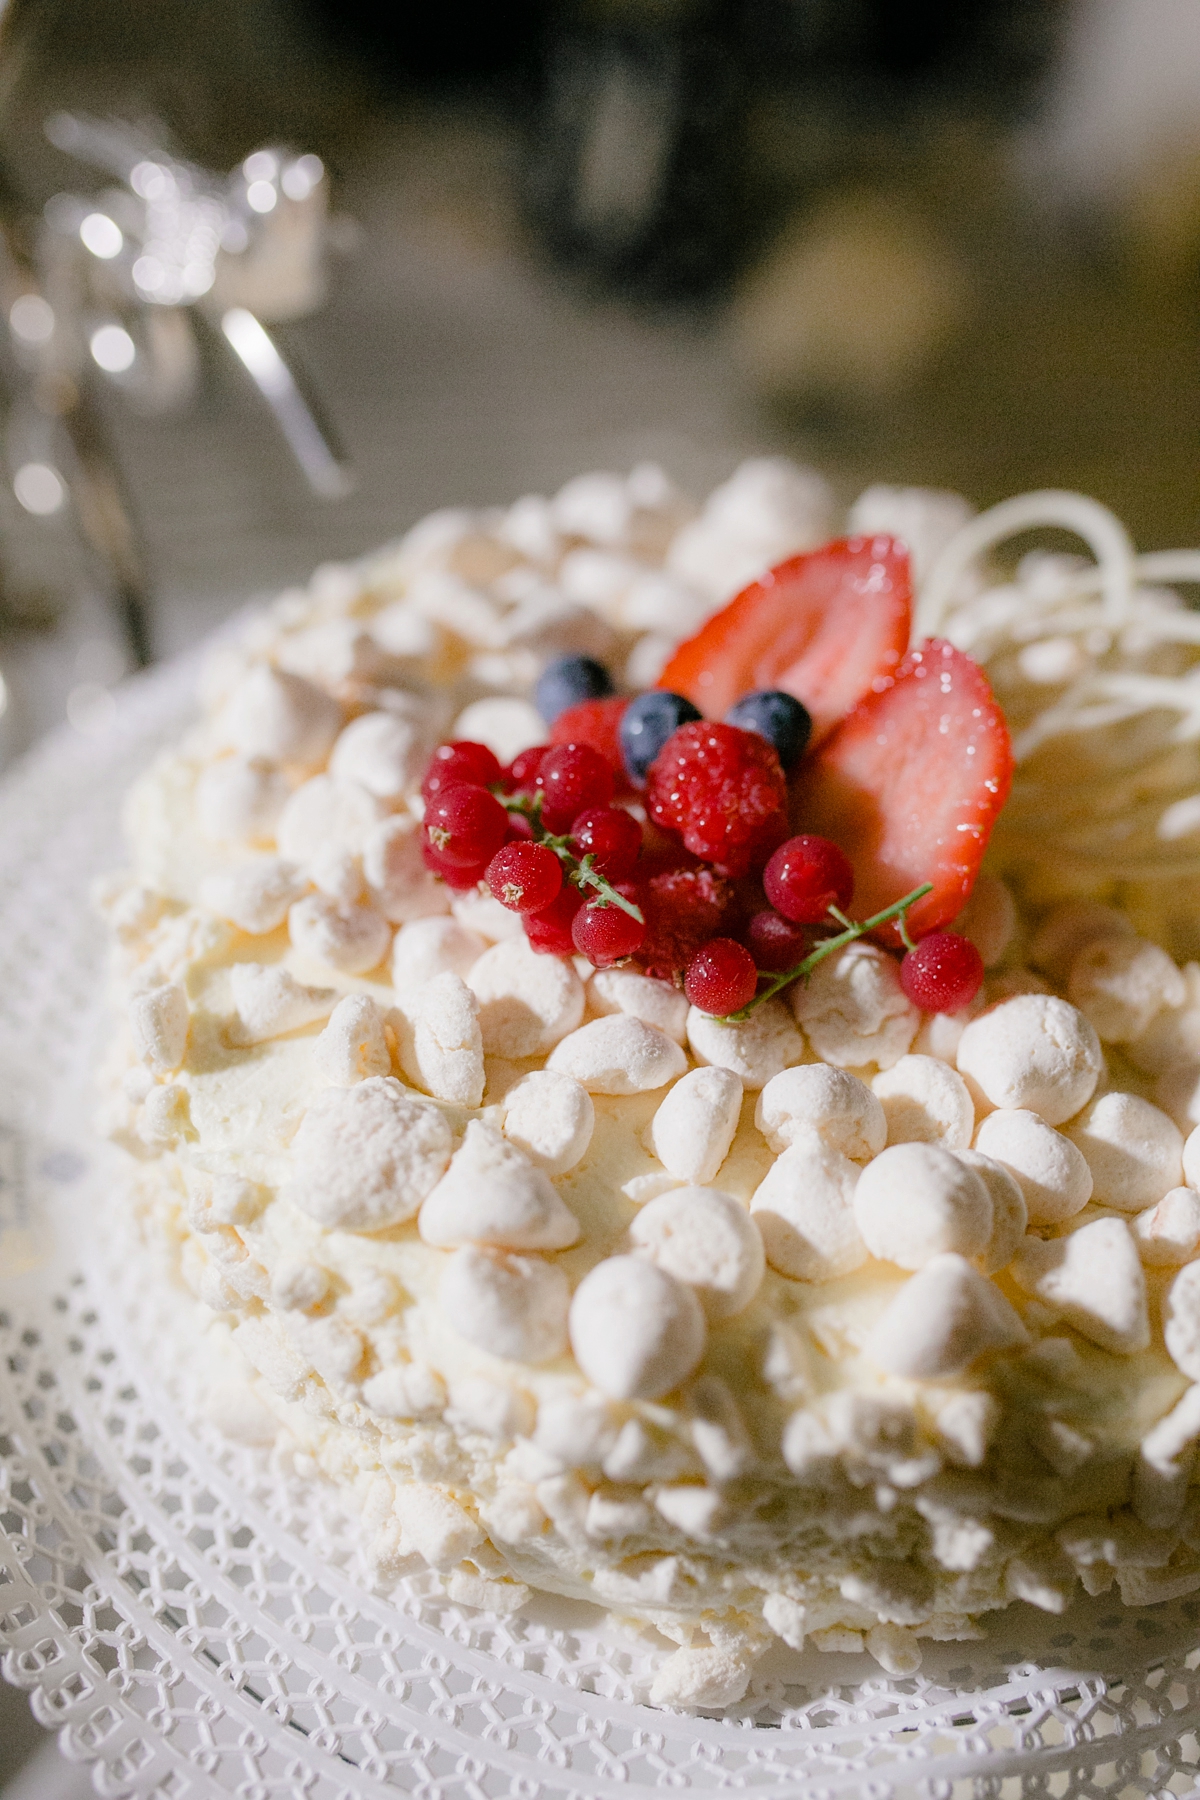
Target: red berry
{"type": "Point", "coordinates": [611, 836]}
{"type": "Point", "coordinates": [460, 763]}
{"type": "Point", "coordinates": [943, 974]}
{"type": "Point", "coordinates": [774, 942]}
{"type": "Point", "coordinates": [598, 723]}
{"type": "Point", "coordinates": [524, 877]}
{"type": "Point", "coordinates": [455, 877]}
{"type": "Point", "coordinates": [605, 934]}
{"type": "Point", "coordinates": [683, 908]}
{"type": "Point", "coordinates": [721, 977]}
{"type": "Point", "coordinates": [465, 825]}
{"type": "Point", "coordinates": [549, 931]}
{"type": "Point", "coordinates": [572, 777]}
{"type": "Point", "coordinates": [805, 877]}
{"type": "Point", "coordinates": [521, 772]}
{"type": "Point", "coordinates": [723, 791]}
{"type": "Point", "coordinates": [520, 828]}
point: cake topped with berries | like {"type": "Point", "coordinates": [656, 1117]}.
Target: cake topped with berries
{"type": "Point", "coordinates": [622, 1133]}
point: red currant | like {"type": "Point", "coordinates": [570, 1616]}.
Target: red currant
{"type": "Point", "coordinates": [805, 877]}
{"type": "Point", "coordinates": [721, 977]}
{"type": "Point", "coordinates": [465, 825]}
{"type": "Point", "coordinates": [460, 763]}
{"type": "Point", "coordinates": [572, 777]}
{"type": "Point", "coordinates": [520, 828]}
{"type": "Point", "coordinates": [774, 942]}
{"type": "Point", "coordinates": [521, 772]}
{"type": "Point", "coordinates": [943, 974]}
{"type": "Point", "coordinates": [549, 931]}
{"type": "Point", "coordinates": [524, 877]}
{"type": "Point", "coordinates": [609, 835]}
{"type": "Point", "coordinates": [458, 878]}
{"type": "Point", "coordinates": [605, 934]}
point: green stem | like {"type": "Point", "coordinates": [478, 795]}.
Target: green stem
{"type": "Point", "coordinates": [826, 948]}
{"type": "Point", "coordinates": [581, 871]}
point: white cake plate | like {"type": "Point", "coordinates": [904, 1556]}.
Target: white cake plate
{"type": "Point", "coordinates": [192, 1616]}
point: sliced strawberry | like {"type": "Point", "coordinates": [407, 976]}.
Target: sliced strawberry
{"type": "Point", "coordinates": [910, 786]}
{"type": "Point", "coordinates": [598, 723]}
{"type": "Point", "coordinates": [826, 627]}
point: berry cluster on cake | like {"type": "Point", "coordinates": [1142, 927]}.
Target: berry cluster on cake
{"type": "Point", "coordinates": [623, 1134]}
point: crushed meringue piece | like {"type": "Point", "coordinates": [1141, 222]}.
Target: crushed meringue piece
{"type": "Point", "coordinates": [1181, 1320]}
{"type": "Point", "coordinates": [352, 1046]}
{"type": "Point", "coordinates": [925, 1102]}
{"type": "Point", "coordinates": [324, 816]}
{"type": "Point", "coordinates": [351, 939]}
{"type": "Point", "coordinates": [837, 1105]}
{"type": "Point", "coordinates": [400, 885]}
{"type": "Point", "coordinates": [1094, 1279]}
{"type": "Point", "coordinates": [1135, 1152]}
{"type": "Point", "coordinates": [804, 1209]}
{"type": "Point", "coordinates": [1035, 1052]}
{"type": "Point", "coordinates": [1051, 1171]}
{"type": "Point", "coordinates": [239, 800]}
{"type": "Point", "coordinates": [917, 1201]}
{"type": "Point", "coordinates": [706, 1238]}
{"type": "Point", "coordinates": [1120, 983]}
{"type": "Point", "coordinates": [282, 716]}
{"type": "Point", "coordinates": [618, 1055]}
{"type": "Point", "coordinates": [270, 1002]}
{"type": "Point", "coordinates": [492, 1194]}
{"type": "Point", "coordinates": [506, 726]}
{"type": "Point", "coordinates": [1168, 1233]}
{"type": "Point", "coordinates": [441, 1046]}
{"type": "Point", "coordinates": [527, 1002]}
{"type": "Point", "coordinates": [513, 1307]}
{"type": "Point", "coordinates": [635, 1330]}
{"type": "Point", "coordinates": [255, 896]}
{"type": "Point", "coordinates": [654, 1002]}
{"type": "Point", "coordinates": [550, 1117]}
{"type": "Point", "coordinates": [383, 752]}
{"type": "Point", "coordinates": [695, 1124]}
{"type": "Point", "coordinates": [853, 1009]}
{"type": "Point", "coordinates": [941, 1321]}
{"type": "Point", "coordinates": [159, 1020]}
{"type": "Point", "coordinates": [365, 1157]}
{"type": "Point", "coordinates": [1010, 1214]}
{"type": "Point", "coordinates": [425, 948]}
{"type": "Point", "coordinates": [756, 1050]}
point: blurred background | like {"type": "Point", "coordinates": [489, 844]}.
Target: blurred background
{"type": "Point", "coordinates": [277, 277]}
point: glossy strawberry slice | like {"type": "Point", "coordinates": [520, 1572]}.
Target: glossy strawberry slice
{"type": "Point", "coordinates": [910, 786]}
{"type": "Point", "coordinates": [826, 627]}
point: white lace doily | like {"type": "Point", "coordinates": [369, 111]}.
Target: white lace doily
{"type": "Point", "coordinates": [194, 1618]}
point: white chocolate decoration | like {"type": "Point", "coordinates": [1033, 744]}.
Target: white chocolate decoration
{"type": "Point", "coordinates": [942, 1320]}
{"type": "Point", "coordinates": [428, 947]}
{"type": "Point", "coordinates": [989, 918]}
{"type": "Point", "coordinates": [1181, 1321]}
{"type": "Point", "coordinates": [492, 1194]}
{"type": "Point", "coordinates": [1068, 930]}
{"type": "Point", "coordinates": [513, 1307]}
{"type": "Point", "coordinates": [352, 1046]}
{"type": "Point", "coordinates": [1010, 1215]}
{"type": "Point", "coordinates": [1094, 1278]}
{"type": "Point", "coordinates": [853, 1009]}
{"type": "Point", "coordinates": [254, 896]}
{"type": "Point", "coordinates": [804, 1208]}
{"type": "Point", "coordinates": [1168, 1233]}
{"type": "Point", "coordinates": [239, 799]}
{"type": "Point", "coordinates": [527, 1002]}
{"type": "Point", "coordinates": [925, 1102]}
{"type": "Point", "coordinates": [158, 1023]}
{"type": "Point", "coordinates": [706, 1238]}
{"type": "Point", "coordinates": [351, 939]}
{"type": "Point", "coordinates": [365, 1157]}
{"type": "Point", "coordinates": [636, 1331]}
{"type": "Point", "coordinates": [324, 817]}
{"type": "Point", "coordinates": [835, 1104]}
{"type": "Point", "coordinates": [384, 753]}
{"type": "Point", "coordinates": [270, 1002]}
{"type": "Point", "coordinates": [283, 716]}
{"type": "Point", "coordinates": [394, 868]}
{"type": "Point", "coordinates": [618, 1055]}
{"type": "Point", "coordinates": [694, 1126]}
{"type": "Point", "coordinates": [551, 1118]}
{"type": "Point", "coordinates": [916, 1201]}
{"type": "Point", "coordinates": [1052, 1172]}
{"type": "Point", "coordinates": [1135, 1152]}
{"type": "Point", "coordinates": [755, 1051]}
{"type": "Point", "coordinates": [654, 1002]}
{"type": "Point", "coordinates": [1119, 983]}
{"type": "Point", "coordinates": [1036, 1052]}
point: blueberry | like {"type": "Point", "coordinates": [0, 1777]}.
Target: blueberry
{"type": "Point", "coordinates": [777, 717]}
{"type": "Point", "coordinates": [568, 680]}
{"type": "Point", "coordinates": [647, 723]}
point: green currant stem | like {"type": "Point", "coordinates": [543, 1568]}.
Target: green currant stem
{"type": "Point", "coordinates": [826, 948]}
{"type": "Point", "coordinates": [582, 872]}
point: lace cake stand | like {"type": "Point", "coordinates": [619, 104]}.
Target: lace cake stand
{"type": "Point", "coordinates": [192, 1616]}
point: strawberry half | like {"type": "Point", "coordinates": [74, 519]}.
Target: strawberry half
{"type": "Point", "coordinates": [910, 786]}
{"type": "Point", "coordinates": [826, 627]}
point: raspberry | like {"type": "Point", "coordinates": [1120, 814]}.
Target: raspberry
{"type": "Point", "coordinates": [721, 977]}
{"type": "Point", "coordinates": [606, 934]}
{"type": "Point", "coordinates": [462, 762]}
{"type": "Point", "coordinates": [943, 974]}
{"type": "Point", "coordinates": [683, 908]}
{"type": "Point", "coordinates": [612, 837]}
{"type": "Point", "coordinates": [549, 931]}
{"type": "Point", "coordinates": [723, 791]}
{"type": "Point", "coordinates": [524, 877]}
{"type": "Point", "coordinates": [774, 942]}
{"type": "Point", "coordinates": [521, 772]}
{"type": "Point", "coordinates": [572, 777]}
{"type": "Point", "coordinates": [465, 826]}
{"type": "Point", "coordinates": [805, 877]}
{"type": "Point", "coordinates": [598, 723]}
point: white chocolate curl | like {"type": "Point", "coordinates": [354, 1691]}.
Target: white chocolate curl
{"type": "Point", "coordinates": [492, 1194]}
{"type": "Point", "coordinates": [636, 1331]}
{"type": "Point", "coordinates": [833, 1103]}
{"type": "Point", "coordinates": [804, 1209]}
{"type": "Point", "coordinates": [694, 1126]}
{"type": "Point", "coordinates": [551, 1118]}
{"type": "Point", "coordinates": [705, 1238]}
{"type": "Point", "coordinates": [917, 1201]}
{"type": "Point", "coordinates": [1036, 1052]}
{"type": "Point", "coordinates": [941, 1321]}
{"type": "Point", "coordinates": [272, 713]}
{"type": "Point", "coordinates": [618, 1055]}
{"type": "Point", "coordinates": [365, 1157]}
{"type": "Point", "coordinates": [513, 1307]}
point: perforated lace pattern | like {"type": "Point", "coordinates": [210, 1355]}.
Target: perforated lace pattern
{"type": "Point", "coordinates": [194, 1617]}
